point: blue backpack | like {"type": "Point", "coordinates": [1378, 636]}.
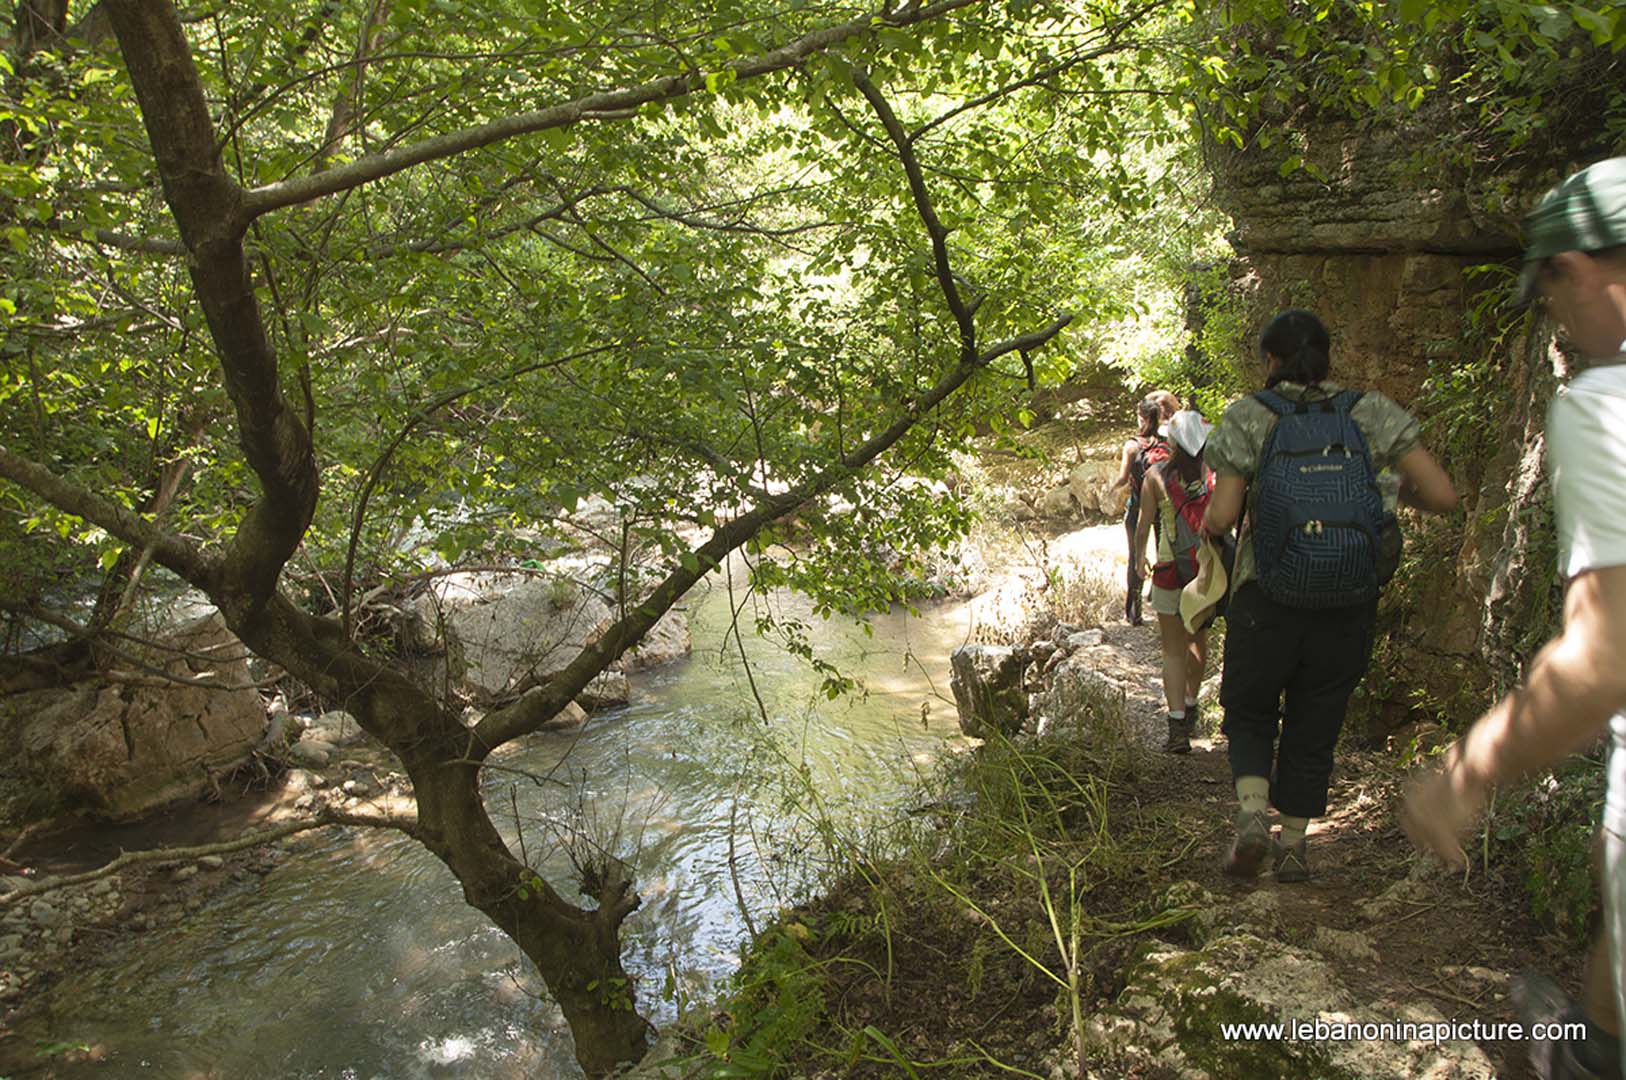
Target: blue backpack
{"type": "Point", "coordinates": [1318, 522]}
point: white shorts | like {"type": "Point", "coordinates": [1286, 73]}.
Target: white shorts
{"type": "Point", "coordinates": [1165, 601]}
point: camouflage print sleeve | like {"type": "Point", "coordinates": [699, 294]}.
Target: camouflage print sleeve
{"type": "Point", "coordinates": [1233, 447]}
{"type": "Point", "coordinates": [1391, 432]}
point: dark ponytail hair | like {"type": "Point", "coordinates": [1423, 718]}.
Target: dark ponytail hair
{"type": "Point", "coordinates": [1188, 468]}
{"type": "Point", "coordinates": [1149, 415]}
{"type": "Point", "coordinates": [1299, 340]}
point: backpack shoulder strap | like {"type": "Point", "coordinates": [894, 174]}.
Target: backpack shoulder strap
{"type": "Point", "coordinates": [1275, 402]}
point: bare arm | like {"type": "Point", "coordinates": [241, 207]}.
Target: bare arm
{"type": "Point", "coordinates": [1149, 494]}
{"type": "Point", "coordinates": [1423, 484]}
{"type": "Point", "coordinates": [1224, 505]}
{"type": "Point", "coordinates": [1575, 684]}
{"type": "Point", "coordinates": [1123, 467]}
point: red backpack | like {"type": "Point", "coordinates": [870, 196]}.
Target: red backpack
{"type": "Point", "coordinates": [1154, 451]}
{"type": "Point", "coordinates": [1188, 530]}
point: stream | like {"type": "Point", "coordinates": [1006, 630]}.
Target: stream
{"type": "Point", "coordinates": [357, 958]}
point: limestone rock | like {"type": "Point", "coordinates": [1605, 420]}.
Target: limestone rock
{"type": "Point", "coordinates": [669, 639]}
{"type": "Point", "coordinates": [571, 717]}
{"type": "Point", "coordinates": [987, 684]}
{"type": "Point", "coordinates": [311, 753]}
{"type": "Point", "coordinates": [607, 690]}
{"type": "Point", "coordinates": [336, 728]}
{"type": "Point", "coordinates": [507, 626]}
{"type": "Point", "coordinates": [1170, 1019]}
{"type": "Point", "coordinates": [123, 749]}
{"type": "Point", "coordinates": [1081, 697]}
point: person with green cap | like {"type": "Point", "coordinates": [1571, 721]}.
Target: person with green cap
{"type": "Point", "coordinates": [1575, 265]}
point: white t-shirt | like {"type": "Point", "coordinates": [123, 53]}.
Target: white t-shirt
{"type": "Point", "coordinates": [1586, 457]}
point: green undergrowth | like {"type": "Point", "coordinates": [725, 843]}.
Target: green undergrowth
{"type": "Point", "coordinates": [1538, 841]}
{"type": "Point", "coordinates": [1006, 908]}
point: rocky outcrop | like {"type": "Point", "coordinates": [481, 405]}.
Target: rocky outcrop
{"type": "Point", "coordinates": [123, 747]}
{"type": "Point", "coordinates": [1174, 1014]}
{"type": "Point", "coordinates": [1380, 242]}
{"type": "Point", "coordinates": [989, 692]}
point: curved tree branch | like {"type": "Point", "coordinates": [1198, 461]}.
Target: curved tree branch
{"type": "Point", "coordinates": [606, 105]}
{"type": "Point", "coordinates": [928, 214]}
{"type": "Point", "coordinates": [168, 548]}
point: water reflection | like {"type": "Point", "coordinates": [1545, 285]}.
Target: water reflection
{"type": "Point", "coordinates": [358, 958]}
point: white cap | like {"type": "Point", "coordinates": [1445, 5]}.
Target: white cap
{"type": "Point", "coordinates": [1189, 431]}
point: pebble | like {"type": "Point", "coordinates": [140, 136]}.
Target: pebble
{"type": "Point", "coordinates": [10, 945]}
{"type": "Point", "coordinates": [211, 862]}
{"type": "Point", "coordinates": [305, 802]}
{"type": "Point", "coordinates": [356, 789]}
{"type": "Point", "coordinates": [102, 887]}
{"type": "Point", "coordinates": [44, 914]}
{"type": "Point", "coordinates": [64, 936]}
{"type": "Point", "coordinates": [184, 872]}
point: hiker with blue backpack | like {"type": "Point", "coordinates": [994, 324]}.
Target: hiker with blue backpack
{"type": "Point", "coordinates": [1175, 494]}
{"type": "Point", "coordinates": [1304, 455]}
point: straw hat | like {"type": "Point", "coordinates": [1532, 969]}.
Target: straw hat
{"type": "Point", "coordinates": [1205, 591]}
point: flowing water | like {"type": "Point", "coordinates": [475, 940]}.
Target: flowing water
{"type": "Point", "coordinates": [357, 957]}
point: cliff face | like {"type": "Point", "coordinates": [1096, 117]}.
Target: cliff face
{"type": "Point", "coordinates": [1382, 249]}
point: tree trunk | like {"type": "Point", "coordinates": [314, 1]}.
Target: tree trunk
{"type": "Point", "coordinates": [577, 951]}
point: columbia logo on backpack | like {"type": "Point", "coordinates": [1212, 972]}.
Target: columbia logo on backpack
{"type": "Point", "coordinates": [1318, 520]}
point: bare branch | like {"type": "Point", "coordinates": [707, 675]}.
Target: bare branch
{"type": "Point", "coordinates": [421, 416]}
{"type": "Point", "coordinates": [162, 856]}
{"type": "Point", "coordinates": [529, 713]}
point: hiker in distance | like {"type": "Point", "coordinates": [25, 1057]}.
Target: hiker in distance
{"type": "Point", "coordinates": [1319, 543]}
{"type": "Point", "coordinates": [1145, 450]}
{"type": "Point", "coordinates": [1575, 264]}
{"type": "Point", "coordinates": [1174, 494]}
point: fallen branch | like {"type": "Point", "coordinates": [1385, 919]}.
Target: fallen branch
{"type": "Point", "coordinates": [162, 856]}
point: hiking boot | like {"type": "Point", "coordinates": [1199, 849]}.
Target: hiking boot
{"type": "Point", "coordinates": [1596, 1057]}
{"type": "Point", "coordinates": [1251, 845]}
{"type": "Point", "coordinates": [1288, 862]}
{"type": "Point", "coordinates": [1179, 740]}
{"type": "Point", "coordinates": [1193, 714]}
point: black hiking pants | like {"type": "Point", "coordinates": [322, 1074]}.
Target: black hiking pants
{"type": "Point", "coordinates": [1287, 679]}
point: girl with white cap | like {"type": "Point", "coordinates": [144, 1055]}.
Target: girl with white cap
{"type": "Point", "coordinates": [1182, 481]}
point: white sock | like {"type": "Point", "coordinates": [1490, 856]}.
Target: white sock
{"type": "Point", "coordinates": [1293, 829]}
{"type": "Point", "coordinates": [1253, 792]}
{"type": "Point", "coordinates": [1190, 701]}
{"type": "Point", "coordinates": [1177, 714]}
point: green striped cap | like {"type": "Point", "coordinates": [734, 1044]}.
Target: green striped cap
{"type": "Point", "coordinates": [1587, 212]}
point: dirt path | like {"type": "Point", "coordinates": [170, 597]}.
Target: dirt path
{"type": "Point", "coordinates": [1399, 934]}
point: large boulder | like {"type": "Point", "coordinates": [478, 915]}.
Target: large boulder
{"type": "Point", "coordinates": [495, 631]}
{"type": "Point", "coordinates": [988, 690]}
{"type": "Point", "coordinates": [506, 627]}
{"type": "Point", "coordinates": [126, 746]}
